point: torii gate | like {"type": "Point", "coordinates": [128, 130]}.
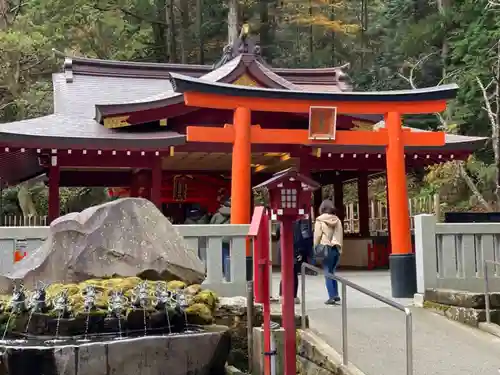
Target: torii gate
{"type": "Point", "coordinates": [391, 104]}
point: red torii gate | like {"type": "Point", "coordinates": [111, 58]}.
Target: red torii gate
{"type": "Point", "coordinates": [390, 104]}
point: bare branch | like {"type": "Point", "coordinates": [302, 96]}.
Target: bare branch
{"type": "Point", "coordinates": [472, 186]}
{"type": "Point", "coordinates": [444, 125]}
{"type": "Point", "coordinates": [487, 104]}
{"type": "Point", "coordinates": [4, 106]}
{"type": "Point", "coordinates": [411, 77]}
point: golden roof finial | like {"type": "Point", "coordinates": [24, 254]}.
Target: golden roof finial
{"type": "Point", "coordinates": [245, 30]}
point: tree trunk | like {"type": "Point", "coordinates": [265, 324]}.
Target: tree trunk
{"type": "Point", "coordinates": [495, 128]}
{"type": "Point", "coordinates": [185, 40]}
{"type": "Point", "coordinates": [311, 35]}
{"type": "Point", "coordinates": [160, 33]}
{"type": "Point", "coordinates": [232, 22]}
{"type": "Point", "coordinates": [443, 8]}
{"type": "Point", "coordinates": [265, 42]}
{"type": "Point", "coordinates": [332, 18]}
{"type": "Point", "coordinates": [170, 31]}
{"type": "Point", "coordinates": [4, 9]}
{"type": "Point", "coordinates": [199, 31]}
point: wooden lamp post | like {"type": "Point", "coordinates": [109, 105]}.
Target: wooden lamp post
{"type": "Point", "coordinates": [290, 195]}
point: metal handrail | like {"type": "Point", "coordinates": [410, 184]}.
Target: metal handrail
{"type": "Point", "coordinates": [487, 288]}
{"type": "Point", "coordinates": [345, 283]}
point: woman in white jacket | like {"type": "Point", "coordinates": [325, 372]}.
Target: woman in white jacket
{"type": "Point", "coordinates": [328, 237]}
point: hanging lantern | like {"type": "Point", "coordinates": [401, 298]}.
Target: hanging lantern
{"type": "Point", "coordinates": [180, 188]}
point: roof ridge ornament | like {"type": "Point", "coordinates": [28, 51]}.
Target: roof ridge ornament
{"type": "Point", "coordinates": [67, 65]}
{"type": "Point", "coordinates": [244, 44]}
{"type": "Point", "coordinates": [68, 69]}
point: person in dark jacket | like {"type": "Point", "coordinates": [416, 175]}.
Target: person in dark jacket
{"type": "Point", "coordinates": [223, 216]}
{"type": "Point", "coordinates": [302, 235]}
{"type": "Point", "coordinates": [196, 216]}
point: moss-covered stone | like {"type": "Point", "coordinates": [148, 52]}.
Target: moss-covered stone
{"type": "Point", "coordinates": [193, 289]}
{"type": "Point", "coordinates": [199, 313]}
{"type": "Point", "coordinates": [176, 285]}
{"type": "Point", "coordinates": [206, 297]}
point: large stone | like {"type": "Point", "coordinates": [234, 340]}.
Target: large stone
{"type": "Point", "coordinates": [126, 237]}
{"type": "Point", "coordinates": [202, 353]}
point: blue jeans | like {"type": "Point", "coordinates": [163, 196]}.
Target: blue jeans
{"type": "Point", "coordinates": [329, 265]}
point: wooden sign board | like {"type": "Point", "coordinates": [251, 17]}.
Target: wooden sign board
{"type": "Point", "coordinates": [116, 122]}
{"type": "Point", "coordinates": [20, 250]}
{"type": "Point", "coordinates": [322, 123]}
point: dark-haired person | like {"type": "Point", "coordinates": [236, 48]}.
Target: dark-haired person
{"type": "Point", "coordinates": [328, 238]}
{"type": "Point", "coordinates": [300, 251]}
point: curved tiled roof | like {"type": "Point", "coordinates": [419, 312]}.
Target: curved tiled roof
{"type": "Point", "coordinates": [60, 131]}
{"type": "Point", "coordinates": [183, 84]}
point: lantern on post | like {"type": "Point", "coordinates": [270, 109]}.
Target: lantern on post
{"type": "Point", "coordinates": [290, 195]}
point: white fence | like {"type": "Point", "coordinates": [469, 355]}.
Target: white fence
{"type": "Point", "coordinates": [205, 239]}
{"type": "Point", "coordinates": [450, 256]}
{"type": "Point", "coordinates": [24, 221]}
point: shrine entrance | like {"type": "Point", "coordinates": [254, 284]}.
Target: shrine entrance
{"type": "Point", "coordinates": [322, 108]}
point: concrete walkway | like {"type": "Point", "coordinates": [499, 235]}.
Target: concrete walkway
{"type": "Point", "coordinates": [376, 333]}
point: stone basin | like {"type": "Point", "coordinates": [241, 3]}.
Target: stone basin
{"type": "Point", "coordinates": [197, 352]}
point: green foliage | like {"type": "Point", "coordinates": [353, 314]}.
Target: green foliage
{"type": "Point", "coordinates": [385, 43]}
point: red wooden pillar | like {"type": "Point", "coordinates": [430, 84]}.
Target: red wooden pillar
{"type": "Point", "coordinates": [134, 185]}
{"type": "Point", "coordinates": [54, 179]}
{"type": "Point", "coordinates": [338, 197]}
{"type": "Point", "coordinates": [305, 161]}
{"type": "Point", "coordinates": [288, 308]}
{"type": "Point", "coordinates": [402, 260]}
{"type": "Point", "coordinates": [363, 202]}
{"type": "Point", "coordinates": [156, 177]}
{"type": "Point", "coordinates": [241, 168]}
{"type": "Point", "coordinates": [241, 176]}
{"type": "Point", "coordinates": [305, 169]}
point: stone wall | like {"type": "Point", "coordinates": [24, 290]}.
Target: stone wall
{"type": "Point", "coordinates": [232, 312]}
{"type": "Point", "coordinates": [464, 307]}
{"type": "Point", "coordinates": [314, 356]}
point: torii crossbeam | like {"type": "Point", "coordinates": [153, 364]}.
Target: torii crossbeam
{"type": "Point", "coordinates": [391, 104]}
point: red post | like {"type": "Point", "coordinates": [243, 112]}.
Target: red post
{"type": "Point", "coordinates": [134, 185]}
{"type": "Point", "coordinates": [288, 307]}
{"type": "Point", "coordinates": [156, 183]}
{"type": "Point", "coordinates": [264, 265]}
{"type": "Point", "coordinates": [259, 229]}
{"type": "Point", "coordinates": [399, 215]}
{"type": "Point", "coordinates": [54, 178]}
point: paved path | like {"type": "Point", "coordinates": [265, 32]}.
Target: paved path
{"type": "Point", "coordinates": [376, 333]}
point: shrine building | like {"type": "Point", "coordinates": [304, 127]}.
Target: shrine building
{"type": "Point", "coordinates": [123, 125]}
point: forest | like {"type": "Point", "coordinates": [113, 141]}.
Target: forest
{"type": "Point", "coordinates": [392, 44]}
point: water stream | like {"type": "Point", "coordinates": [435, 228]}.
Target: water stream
{"type": "Point", "coordinates": [168, 320]}
{"type": "Point", "coordinates": [7, 326]}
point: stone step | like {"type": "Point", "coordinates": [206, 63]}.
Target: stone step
{"type": "Point", "coordinates": [461, 298]}
{"type": "Point", "coordinates": [465, 315]}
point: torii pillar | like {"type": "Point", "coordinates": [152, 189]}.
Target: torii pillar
{"type": "Point", "coordinates": [392, 105]}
